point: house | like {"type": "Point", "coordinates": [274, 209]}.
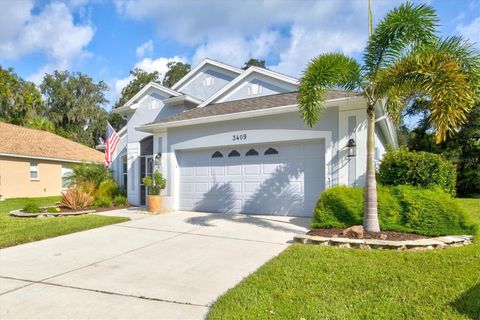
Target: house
{"type": "Point", "coordinates": [34, 163]}
{"type": "Point", "coordinates": [232, 140]}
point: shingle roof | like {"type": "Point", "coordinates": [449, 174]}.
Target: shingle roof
{"type": "Point", "coordinates": [36, 143]}
{"type": "Point", "coordinates": [250, 104]}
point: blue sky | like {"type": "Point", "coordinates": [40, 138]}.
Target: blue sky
{"type": "Point", "coordinates": [106, 39]}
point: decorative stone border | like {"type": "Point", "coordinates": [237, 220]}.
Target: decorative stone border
{"type": "Point", "coordinates": [413, 245]}
{"type": "Point", "coordinates": [18, 213]}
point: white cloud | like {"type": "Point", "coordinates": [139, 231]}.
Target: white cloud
{"type": "Point", "coordinates": [287, 32]}
{"type": "Point", "coordinates": [471, 31]}
{"type": "Point", "coordinates": [145, 49]}
{"type": "Point", "coordinates": [146, 64]}
{"type": "Point", "coordinates": [237, 50]}
{"type": "Point", "coordinates": [52, 32]}
{"type": "Point", "coordinates": [13, 14]}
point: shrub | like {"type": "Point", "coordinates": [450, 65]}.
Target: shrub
{"type": "Point", "coordinates": [155, 184]}
{"type": "Point", "coordinates": [103, 202]}
{"type": "Point", "coordinates": [400, 208]}
{"type": "Point", "coordinates": [76, 199]}
{"type": "Point", "coordinates": [53, 210]}
{"type": "Point", "coordinates": [422, 169]}
{"type": "Point", "coordinates": [342, 206]}
{"type": "Point", "coordinates": [431, 212]}
{"type": "Point", "coordinates": [31, 208]}
{"type": "Point", "coordinates": [89, 174]}
{"type": "Point", "coordinates": [107, 189]}
{"type": "Point", "coordinates": [120, 201]}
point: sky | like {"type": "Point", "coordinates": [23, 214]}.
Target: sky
{"type": "Point", "coordinates": [106, 39]}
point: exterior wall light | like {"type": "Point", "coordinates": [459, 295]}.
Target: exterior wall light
{"type": "Point", "coordinates": [158, 159]}
{"type": "Point", "coordinates": [351, 148]}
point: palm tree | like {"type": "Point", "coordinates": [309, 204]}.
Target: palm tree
{"type": "Point", "coordinates": [403, 60]}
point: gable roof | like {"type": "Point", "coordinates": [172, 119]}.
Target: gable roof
{"type": "Point", "coordinates": [245, 74]}
{"type": "Point", "coordinates": [288, 99]}
{"type": "Point", "coordinates": [199, 66]}
{"type": "Point", "coordinates": [19, 141]}
{"type": "Point", "coordinates": [131, 105]}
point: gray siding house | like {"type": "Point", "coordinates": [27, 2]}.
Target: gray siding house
{"type": "Point", "coordinates": [231, 140]}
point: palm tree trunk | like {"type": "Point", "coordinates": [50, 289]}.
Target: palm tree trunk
{"type": "Point", "coordinates": [370, 218]}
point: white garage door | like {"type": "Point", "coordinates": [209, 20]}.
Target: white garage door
{"type": "Point", "coordinates": [280, 179]}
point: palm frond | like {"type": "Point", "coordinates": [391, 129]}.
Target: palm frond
{"type": "Point", "coordinates": [327, 71]}
{"type": "Point", "coordinates": [440, 78]}
{"type": "Point", "coordinates": [461, 50]}
{"type": "Point", "coordinates": [404, 27]}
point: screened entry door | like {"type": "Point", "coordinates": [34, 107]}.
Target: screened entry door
{"type": "Point", "coordinates": [278, 179]}
{"type": "Point", "coordinates": [146, 169]}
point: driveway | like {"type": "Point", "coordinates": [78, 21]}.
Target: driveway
{"type": "Point", "coordinates": [171, 266]}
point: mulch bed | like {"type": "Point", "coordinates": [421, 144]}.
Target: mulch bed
{"type": "Point", "coordinates": [384, 235]}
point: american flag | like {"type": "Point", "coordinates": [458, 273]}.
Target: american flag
{"type": "Point", "coordinates": [111, 142]}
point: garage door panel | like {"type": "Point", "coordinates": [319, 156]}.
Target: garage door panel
{"type": "Point", "coordinates": [187, 187]}
{"type": "Point", "coordinates": [252, 169]}
{"type": "Point", "coordinates": [287, 183]}
{"type": "Point", "coordinates": [186, 171]}
{"type": "Point", "coordinates": [201, 187]}
{"type": "Point", "coordinates": [218, 171]}
{"type": "Point", "coordinates": [202, 171]}
{"type": "Point", "coordinates": [234, 170]}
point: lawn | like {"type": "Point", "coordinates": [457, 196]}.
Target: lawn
{"type": "Point", "coordinates": [15, 231]}
{"type": "Point", "coordinates": [313, 282]}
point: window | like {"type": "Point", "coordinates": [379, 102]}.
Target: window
{"type": "Point", "coordinates": [234, 153]}
{"type": "Point", "coordinates": [252, 152]}
{"type": "Point", "coordinates": [124, 170]}
{"type": "Point", "coordinates": [270, 151]}
{"type": "Point", "coordinates": [34, 171]}
{"type": "Point", "coordinates": [66, 171]}
{"type": "Point", "coordinates": [217, 154]}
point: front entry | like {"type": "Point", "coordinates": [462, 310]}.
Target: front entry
{"type": "Point", "coordinates": [146, 165]}
{"type": "Point", "coordinates": [146, 169]}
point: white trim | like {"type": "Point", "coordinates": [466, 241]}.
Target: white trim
{"type": "Point", "coordinates": [260, 136]}
{"type": "Point", "coordinates": [181, 99]}
{"type": "Point", "coordinates": [246, 73]}
{"type": "Point", "coordinates": [150, 128]}
{"type": "Point", "coordinates": [130, 105]}
{"type": "Point", "coordinates": [14, 155]}
{"type": "Point", "coordinates": [180, 84]}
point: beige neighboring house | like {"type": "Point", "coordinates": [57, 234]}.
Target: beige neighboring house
{"type": "Point", "coordinates": [34, 163]}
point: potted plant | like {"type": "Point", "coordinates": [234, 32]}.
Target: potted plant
{"type": "Point", "coordinates": [155, 184]}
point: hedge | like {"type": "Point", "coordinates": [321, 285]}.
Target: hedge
{"type": "Point", "coordinates": [400, 208]}
{"type": "Point", "coordinates": [422, 169]}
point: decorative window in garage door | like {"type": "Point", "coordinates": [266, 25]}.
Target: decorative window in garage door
{"type": "Point", "coordinates": [217, 154]}
{"type": "Point", "coordinates": [271, 151]}
{"type": "Point", "coordinates": [234, 153]}
{"type": "Point", "coordinates": [252, 152]}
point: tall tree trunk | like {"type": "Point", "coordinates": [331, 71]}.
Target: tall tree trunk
{"type": "Point", "coordinates": [370, 218]}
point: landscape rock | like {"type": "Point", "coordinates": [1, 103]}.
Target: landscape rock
{"type": "Point", "coordinates": [355, 232]}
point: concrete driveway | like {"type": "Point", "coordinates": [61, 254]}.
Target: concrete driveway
{"type": "Point", "coordinates": [171, 266]}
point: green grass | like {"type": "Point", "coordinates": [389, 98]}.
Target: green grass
{"type": "Point", "coordinates": [313, 282]}
{"type": "Point", "coordinates": [15, 231]}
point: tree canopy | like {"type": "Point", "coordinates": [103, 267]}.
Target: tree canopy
{"type": "Point", "coordinates": [140, 78]}
{"type": "Point", "coordinates": [254, 62]}
{"type": "Point", "coordinates": [20, 100]}
{"type": "Point", "coordinates": [176, 71]}
{"type": "Point", "coordinates": [74, 103]}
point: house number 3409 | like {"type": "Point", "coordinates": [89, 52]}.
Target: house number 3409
{"type": "Point", "coordinates": [237, 137]}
